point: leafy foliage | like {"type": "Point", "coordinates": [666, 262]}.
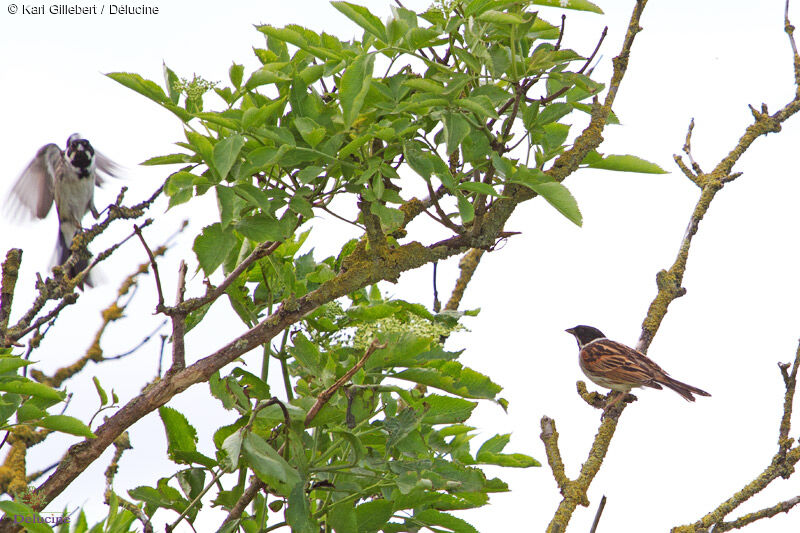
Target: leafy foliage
{"type": "Point", "coordinates": [370, 430]}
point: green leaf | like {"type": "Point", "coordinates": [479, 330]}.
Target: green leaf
{"type": "Point", "coordinates": [554, 192]}
{"type": "Point", "coordinates": [11, 363]}
{"type": "Point", "coordinates": [30, 388]}
{"type": "Point", "coordinates": [495, 444]}
{"type": "Point", "coordinates": [373, 515]}
{"type": "Point", "coordinates": [479, 187]}
{"type": "Point", "coordinates": [268, 465]}
{"type": "Point", "coordinates": [11, 508]}
{"type": "Point", "coordinates": [447, 410]}
{"type": "Point", "coordinates": [100, 391]}
{"type": "Point", "coordinates": [426, 85]}
{"type": "Point", "coordinates": [508, 460]}
{"type": "Point", "coordinates": [226, 200]}
{"type": "Point", "coordinates": [432, 517]}
{"type": "Point", "coordinates": [456, 128]}
{"type": "Point", "coordinates": [212, 247]}
{"type": "Point", "coordinates": [307, 353]}
{"type": "Point", "coordinates": [342, 517]}
{"type": "Point", "coordinates": [310, 131]}
{"type": "Point", "coordinates": [465, 209]}
{"type": "Point", "coordinates": [261, 228]}
{"type": "Point", "coordinates": [391, 219]}
{"type": "Point", "coordinates": [579, 5]}
{"type": "Point", "coordinates": [298, 512]}
{"type": "Point", "coordinates": [147, 88]}
{"type": "Point", "coordinates": [417, 160]}
{"type": "Point", "coordinates": [181, 436]}
{"type": "Point", "coordinates": [553, 112]}
{"type": "Point", "coordinates": [452, 377]}
{"type": "Point", "coordinates": [627, 163]}
{"type": "Point", "coordinates": [480, 105]}
{"type": "Point", "coordinates": [232, 447]}
{"type": "Point", "coordinates": [498, 17]}
{"type": "Point", "coordinates": [225, 153]}
{"type": "Point", "coordinates": [66, 424]}
{"type": "Point", "coordinates": [236, 72]}
{"type": "Point", "coordinates": [171, 159]}
{"type": "Point", "coordinates": [355, 84]}
{"type": "Point", "coordinates": [364, 18]}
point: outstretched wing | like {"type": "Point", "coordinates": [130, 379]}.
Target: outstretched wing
{"type": "Point", "coordinates": [105, 166]}
{"type": "Point", "coordinates": [32, 194]}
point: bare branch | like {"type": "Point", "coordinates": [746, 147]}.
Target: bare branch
{"type": "Point", "coordinates": [153, 263]}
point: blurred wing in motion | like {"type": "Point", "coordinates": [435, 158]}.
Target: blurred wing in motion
{"type": "Point", "coordinates": [104, 165]}
{"type": "Point", "coordinates": [32, 194]}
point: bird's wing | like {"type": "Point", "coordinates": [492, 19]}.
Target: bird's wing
{"type": "Point", "coordinates": [619, 363]}
{"type": "Point", "coordinates": [32, 194]}
{"type": "Point", "coordinates": [106, 166]}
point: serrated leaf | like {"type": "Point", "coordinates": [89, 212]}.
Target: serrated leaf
{"type": "Point", "coordinates": [373, 515]}
{"type": "Point", "coordinates": [355, 84]}
{"type": "Point", "coordinates": [212, 247]}
{"type": "Point", "coordinates": [426, 85]}
{"type": "Point", "coordinates": [30, 388]}
{"type": "Point", "coordinates": [391, 219]}
{"type": "Point", "coordinates": [66, 424]}
{"type": "Point", "coordinates": [225, 153]}
{"type": "Point", "coordinates": [465, 209]}
{"type": "Point", "coordinates": [145, 87]}
{"type": "Point", "coordinates": [342, 517]}
{"type": "Point", "coordinates": [480, 105]}
{"type": "Point", "coordinates": [261, 228]}
{"type": "Point", "coordinates": [554, 192]}
{"type": "Point", "coordinates": [363, 17]}
{"type": "Point", "coordinates": [627, 163]}
{"type": "Point", "coordinates": [310, 131]}
{"type": "Point", "coordinates": [298, 511]}
{"type": "Point", "coordinates": [171, 159]}
{"type": "Point", "coordinates": [268, 465]}
{"type": "Point", "coordinates": [456, 128]}
{"type": "Point", "coordinates": [432, 517]}
{"type": "Point", "coordinates": [181, 436]}
{"type": "Point", "coordinates": [447, 410]}
{"type": "Point", "coordinates": [236, 72]}
{"type": "Point", "coordinates": [478, 187]}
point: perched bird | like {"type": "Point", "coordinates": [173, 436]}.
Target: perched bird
{"type": "Point", "coordinates": [615, 366]}
{"type": "Point", "coordinates": [68, 177]}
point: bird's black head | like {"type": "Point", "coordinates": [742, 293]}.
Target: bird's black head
{"type": "Point", "coordinates": [80, 155]}
{"type": "Point", "coordinates": [585, 334]}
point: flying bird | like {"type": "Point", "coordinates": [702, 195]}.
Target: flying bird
{"type": "Point", "coordinates": [67, 177]}
{"type": "Point", "coordinates": [620, 368]}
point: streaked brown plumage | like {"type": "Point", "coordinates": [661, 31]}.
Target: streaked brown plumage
{"type": "Point", "coordinates": [615, 366]}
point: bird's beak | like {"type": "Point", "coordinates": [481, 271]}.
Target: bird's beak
{"type": "Point", "coordinates": [570, 331]}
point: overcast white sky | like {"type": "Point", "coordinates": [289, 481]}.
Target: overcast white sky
{"type": "Point", "coordinates": [670, 462]}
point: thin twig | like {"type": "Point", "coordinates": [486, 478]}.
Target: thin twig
{"type": "Point", "coordinates": [598, 514]}
{"type": "Point", "coordinates": [326, 395]}
{"type": "Point", "coordinates": [153, 264]}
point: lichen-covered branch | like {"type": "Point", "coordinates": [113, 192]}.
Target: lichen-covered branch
{"type": "Point", "coordinates": [782, 465]}
{"type": "Point", "coordinates": [468, 264]}
{"type": "Point", "coordinates": [57, 287]}
{"type": "Point", "coordinates": [9, 281]}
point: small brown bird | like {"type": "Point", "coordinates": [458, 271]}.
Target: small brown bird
{"type": "Point", "coordinates": [615, 366]}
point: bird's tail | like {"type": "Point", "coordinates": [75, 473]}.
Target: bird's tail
{"type": "Point", "coordinates": [66, 232]}
{"type": "Point", "coordinates": [682, 388]}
